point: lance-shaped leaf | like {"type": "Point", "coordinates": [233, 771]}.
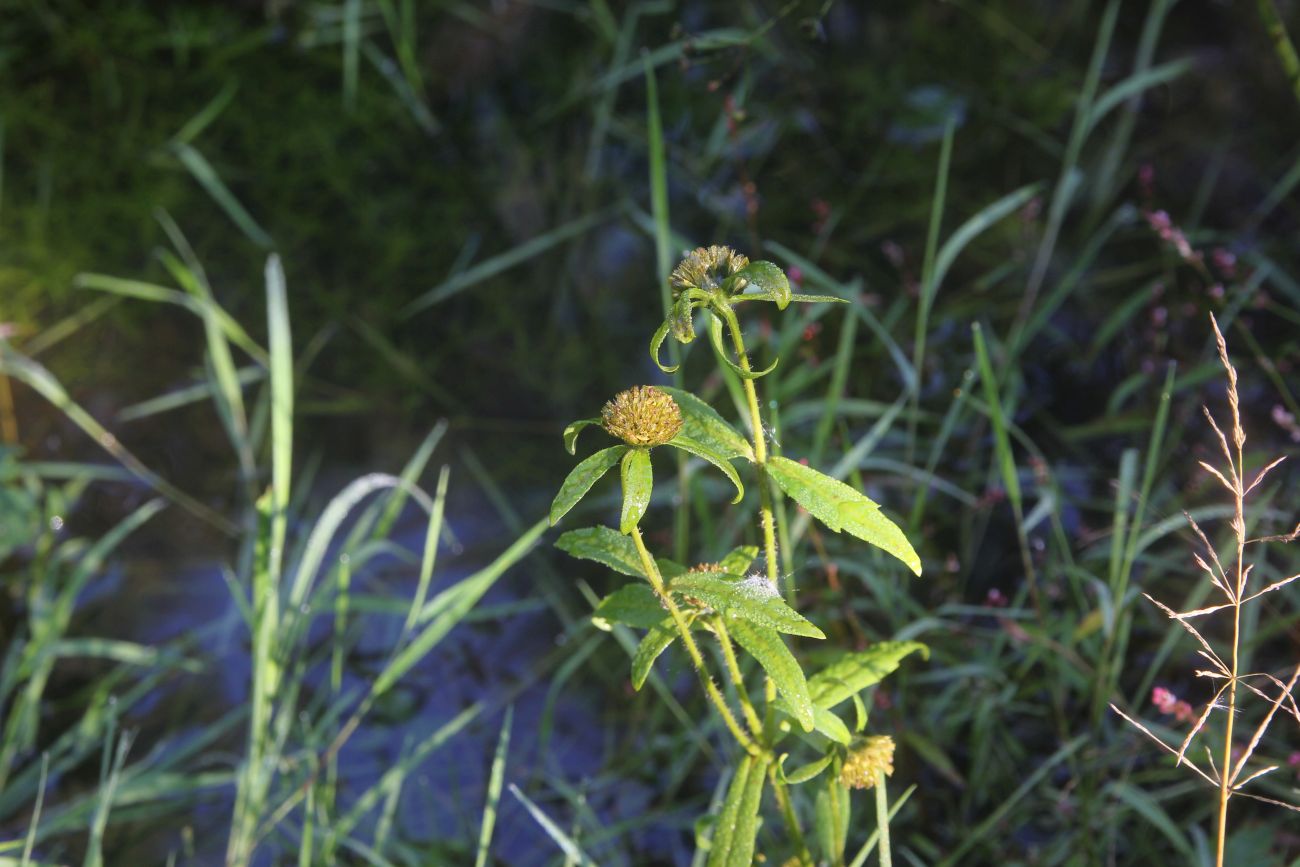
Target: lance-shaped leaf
{"type": "Point", "coordinates": [657, 342]}
{"type": "Point", "coordinates": [737, 827]}
{"type": "Point", "coordinates": [806, 772]}
{"type": "Point", "coordinates": [854, 672]}
{"type": "Point", "coordinates": [840, 507]}
{"type": "Point", "coordinates": [753, 599]}
{"type": "Point", "coordinates": [638, 484]}
{"type": "Point", "coordinates": [686, 444]}
{"type": "Point", "coordinates": [603, 545]}
{"type": "Point", "coordinates": [826, 725]}
{"type": "Point", "coordinates": [738, 560]}
{"type": "Point", "coordinates": [656, 641]}
{"type": "Point", "coordinates": [764, 281]}
{"type": "Point", "coordinates": [767, 646]}
{"type": "Point", "coordinates": [571, 432]}
{"type": "Point", "coordinates": [581, 478]}
{"type": "Point", "coordinates": [719, 346]}
{"type": "Point", "coordinates": [813, 299]}
{"type": "Point", "coordinates": [703, 424]}
{"type": "Point", "coordinates": [632, 604]}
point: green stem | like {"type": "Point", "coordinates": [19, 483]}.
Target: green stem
{"type": "Point", "coordinates": [882, 820]}
{"type": "Point", "coordinates": [760, 449]}
{"type": "Point", "coordinates": [692, 649]}
{"type": "Point", "coordinates": [790, 817]}
{"type": "Point", "coordinates": [733, 668]}
{"type": "Point", "coordinates": [1282, 44]}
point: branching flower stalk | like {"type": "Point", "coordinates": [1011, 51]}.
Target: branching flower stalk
{"type": "Point", "coordinates": [742, 610]}
{"type": "Point", "coordinates": [1228, 774]}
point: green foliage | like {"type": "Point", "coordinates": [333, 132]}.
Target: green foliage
{"type": "Point", "coordinates": [840, 507]}
{"type": "Point", "coordinates": [720, 598]}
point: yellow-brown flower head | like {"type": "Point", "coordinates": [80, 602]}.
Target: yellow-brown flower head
{"type": "Point", "coordinates": [865, 759]}
{"type": "Point", "coordinates": [705, 268]}
{"type": "Point", "coordinates": [642, 416]}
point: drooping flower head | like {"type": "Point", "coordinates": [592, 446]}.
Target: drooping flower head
{"type": "Point", "coordinates": [642, 416]}
{"type": "Point", "coordinates": [866, 759]}
{"type": "Point", "coordinates": [705, 268]}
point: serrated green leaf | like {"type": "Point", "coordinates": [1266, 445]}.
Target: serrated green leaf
{"type": "Point", "coordinates": [856, 671]}
{"type": "Point", "coordinates": [738, 561]}
{"type": "Point", "coordinates": [656, 641]}
{"type": "Point", "coordinates": [581, 478]}
{"type": "Point", "coordinates": [767, 282]}
{"type": "Point", "coordinates": [840, 507]}
{"type": "Point", "coordinates": [604, 545]}
{"type": "Point", "coordinates": [737, 826]}
{"type": "Point", "coordinates": [703, 424]}
{"type": "Point", "coordinates": [632, 604]}
{"type": "Point", "coordinates": [690, 446]}
{"type": "Point", "coordinates": [638, 483]}
{"type": "Point", "coordinates": [767, 646]}
{"type": "Point", "coordinates": [571, 432]}
{"type": "Point", "coordinates": [753, 599]}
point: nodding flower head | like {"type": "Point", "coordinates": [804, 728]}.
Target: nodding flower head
{"type": "Point", "coordinates": [642, 416]}
{"type": "Point", "coordinates": [867, 758]}
{"type": "Point", "coordinates": [705, 268]}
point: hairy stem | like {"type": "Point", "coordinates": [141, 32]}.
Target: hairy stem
{"type": "Point", "coordinates": [688, 641]}
{"type": "Point", "coordinates": [760, 450]}
{"type": "Point", "coordinates": [791, 818]}
{"type": "Point", "coordinates": [733, 668]}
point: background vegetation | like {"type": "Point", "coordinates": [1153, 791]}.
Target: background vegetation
{"type": "Point", "coordinates": [460, 196]}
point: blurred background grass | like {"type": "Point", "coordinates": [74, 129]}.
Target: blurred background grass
{"type": "Point", "coordinates": [460, 195]}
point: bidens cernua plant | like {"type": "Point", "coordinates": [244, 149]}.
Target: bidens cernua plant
{"type": "Point", "coordinates": [724, 601]}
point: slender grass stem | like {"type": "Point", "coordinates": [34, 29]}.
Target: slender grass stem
{"type": "Point", "coordinates": [692, 649]}
{"type": "Point", "coordinates": [1238, 591]}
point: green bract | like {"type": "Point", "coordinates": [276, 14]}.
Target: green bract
{"type": "Point", "coordinates": [715, 279]}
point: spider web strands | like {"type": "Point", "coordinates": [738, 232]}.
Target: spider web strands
{"type": "Point", "coordinates": [1200, 723]}
{"type": "Point", "coordinates": [1284, 692]}
{"type": "Point", "coordinates": [1146, 731]}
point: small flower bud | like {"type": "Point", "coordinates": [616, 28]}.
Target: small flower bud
{"type": "Point", "coordinates": [642, 416]}
{"type": "Point", "coordinates": [865, 759]}
{"type": "Point", "coordinates": [705, 268]}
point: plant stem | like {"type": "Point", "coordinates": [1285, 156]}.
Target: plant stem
{"type": "Point", "coordinates": [791, 818]}
{"type": "Point", "coordinates": [882, 820]}
{"type": "Point", "coordinates": [688, 641]}
{"type": "Point", "coordinates": [733, 668]}
{"type": "Point", "coordinates": [1239, 528]}
{"type": "Point", "coordinates": [760, 450]}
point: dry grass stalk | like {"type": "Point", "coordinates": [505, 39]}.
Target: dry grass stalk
{"type": "Point", "coordinates": [1229, 773]}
